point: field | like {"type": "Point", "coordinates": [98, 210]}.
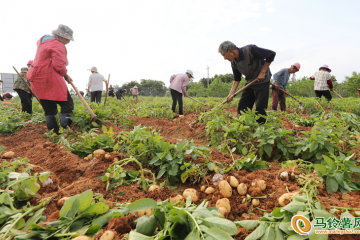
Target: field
{"type": "Point", "coordinates": [145, 144]}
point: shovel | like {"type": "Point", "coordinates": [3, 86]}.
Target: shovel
{"type": "Point", "coordinates": [197, 101]}
{"type": "Point", "coordinates": [27, 85]}
{"type": "Point", "coordinates": [92, 114]}
{"type": "Point", "coordinates": [337, 94]}
{"type": "Point", "coordinates": [301, 104]}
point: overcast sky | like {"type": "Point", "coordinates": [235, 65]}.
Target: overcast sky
{"type": "Point", "coordinates": [133, 40]}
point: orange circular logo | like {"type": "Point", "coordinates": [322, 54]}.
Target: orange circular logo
{"type": "Point", "coordinates": [300, 224]}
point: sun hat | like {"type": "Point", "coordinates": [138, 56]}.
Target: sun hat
{"type": "Point", "coordinates": [64, 31]}
{"type": "Point", "coordinates": [325, 66]}
{"type": "Point", "coordinates": [190, 72]}
{"type": "Point", "coordinates": [24, 69]}
{"type": "Point", "coordinates": [135, 86]}
{"type": "Point", "coordinates": [7, 92]}
{"type": "Point", "coordinates": [297, 65]}
{"type": "Point", "coordinates": [93, 69]}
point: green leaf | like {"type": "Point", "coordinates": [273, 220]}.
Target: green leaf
{"type": "Point", "coordinates": [85, 199]}
{"type": "Point", "coordinates": [20, 224]}
{"type": "Point", "coordinates": [331, 185]}
{"type": "Point", "coordinates": [103, 219]}
{"type": "Point", "coordinates": [268, 149]}
{"type": "Point", "coordinates": [329, 162]}
{"type": "Point", "coordinates": [295, 206]}
{"type": "Point", "coordinates": [217, 233]}
{"type": "Point", "coordinates": [249, 224]}
{"type": "Point", "coordinates": [141, 204]}
{"type": "Point", "coordinates": [193, 235]}
{"type": "Point", "coordinates": [313, 236]}
{"type": "Point", "coordinates": [221, 223]}
{"type": "Point", "coordinates": [257, 233]}
{"type": "Point", "coordinates": [43, 176]}
{"type": "Point", "coordinates": [278, 233]}
{"type": "Point", "coordinates": [138, 236]}
{"type": "Point", "coordinates": [278, 213]}
{"type": "Point", "coordinates": [34, 218]}
{"type": "Point", "coordinates": [295, 237]}
{"type": "Point", "coordinates": [269, 233]}
{"type": "Point", "coordinates": [97, 208]}
{"type": "Point", "coordinates": [93, 230]}
{"type": "Point", "coordinates": [286, 228]}
{"type": "Point", "coordinates": [68, 205]}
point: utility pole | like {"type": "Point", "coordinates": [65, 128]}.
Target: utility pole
{"type": "Point", "coordinates": [208, 75]}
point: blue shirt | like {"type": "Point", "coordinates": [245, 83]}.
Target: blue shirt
{"type": "Point", "coordinates": [282, 78]}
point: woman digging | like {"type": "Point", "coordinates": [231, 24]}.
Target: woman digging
{"type": "Point", "coordinates": [47, 74]}
{"type": "Point", "coordinates": [177, 87]}
{"type": "Point", "coordinates": [323, 82]}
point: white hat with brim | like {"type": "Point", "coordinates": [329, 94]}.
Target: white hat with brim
{"type": "Point", "coordinates": [64, 31]}
{"type": "Point", "coordinates": [190, 72]}
{"type": "Point", "coordinates": [93, 69]}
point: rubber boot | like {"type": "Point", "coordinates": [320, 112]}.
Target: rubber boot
{"type": "Point", "coordinates": [65, 120]}
{"type": "Point", "coordinates": [52, 124]}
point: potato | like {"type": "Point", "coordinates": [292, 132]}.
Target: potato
{"type": "Point", "coordinates": [223, 211]}
{"type": "Point", "coordinates": [153, 187]}
{"type": "Point", "coordinates": [82, 238]}
{"type": "Point", "coordinates": [225, 189]}
{"type": "Point", "coordinates": [85, 158]}
{"type": "Point", "coordinates": [176, 199]}
{"type": "Point", "coordinates": [284, 176]}
{"type": "Point", "coordinates": [223, 202]}
{"type": "Point", "coordinates": [286, 196]}
{"type": "Point", "coordinates": [202, 188]}
{"type": "Point", "coordinates": [233, 181]}
{"type": "Point", "coordinates": [147, 212]}
{"type": "Point", "coordinates": [107, 156]}
{"type": "Point", "coordinates": [242, 189]}
{"type": "Point", "coordinates": [259, 184]}
{"type": "Point", "coordinates": [116, 159]}
{"type": "Point", "coordinates": [255, 202]}
{"type": "Point", "coordinates": [107, 235]}
{"type": "Point", "coordinates": [9, 154]}
{"type": "Point", "coordinates": [98, 153]}
{"type": "Point", "coordinates": [62, 201]}
{"type": "Point", "coordinates": [90, 156]}
{"type": "Point", "coordinates": [210, 190]}
{"type": "Point", "coordinates": [190, 192]}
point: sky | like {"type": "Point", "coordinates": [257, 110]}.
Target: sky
{"type": "Point", "coordinates": [142, 39]}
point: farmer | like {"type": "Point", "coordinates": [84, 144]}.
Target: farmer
{"type": "Point", "coordinates": [135, 92]}
{"type": "Point", "coordinates": [119, 93]}
{"type": "Point", "coordinates": [177, 87]}
{"type": "Point", "coordinates": [95, 85]}
{"type": "Point", "coordinates": [281, 79]}
{"type": "Point", "coordinates": [323, 82]}
{"type": "Point", "coordinates": [47, 74]}
{"type": "Point", "coordinates": [253, 62]}
{"type": "Point", "coordinates": [81, 93]}
{"type": "Point", "coordinates": [111, 91]}
{"type": "Point", "coordinates": [7, 96]}
{"type": "Point", "coordinates": [23, 91]}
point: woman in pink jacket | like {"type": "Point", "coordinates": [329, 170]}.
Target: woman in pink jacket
{"type": "Point", "coordinates": [177, 87]}
{"type": "Point", "coordinates": [47, 73]}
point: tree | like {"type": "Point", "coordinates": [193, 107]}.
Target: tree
{"type": "Point", "coordinates": [352, 84]}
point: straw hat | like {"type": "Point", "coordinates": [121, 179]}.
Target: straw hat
{"type": "Point", "coordinates": [93, 69]}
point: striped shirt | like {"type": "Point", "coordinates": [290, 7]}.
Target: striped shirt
{"type": "Point", "coordinates": [179, 82]}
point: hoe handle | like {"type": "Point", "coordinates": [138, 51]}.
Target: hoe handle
{"type": "Point", "coordinates": [287, 93]}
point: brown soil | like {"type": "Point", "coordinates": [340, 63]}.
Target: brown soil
{"type": "Point", "coordinates": [73, 175]}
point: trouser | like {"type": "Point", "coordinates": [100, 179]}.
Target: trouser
{"type": "Point", "coordinates": [278, 97]}
{"type": "Point", "coordinates": [118, 95]}
{"type": "Point", "coordinates": [325, 93]}
{"type": "Point", "coordinates": [1, 98]}
{"type": "Point", "coordinates": [111, 94]}
{"type": "Point", "coordinates": [258, 95]}
{"type": "Point", "coordinates": [26, 101]}
{"type": "Point", "coordinates": [177, 97]}
{"type": "Point", "coordinates": [50, 109]}
{"type": "Point", "coordinates": [96, 95]}
{"type": "Point", "coordinates": [135, 96]}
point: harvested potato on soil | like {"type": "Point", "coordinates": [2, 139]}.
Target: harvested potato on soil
{"type": "Point", "coordinates": [147, 212]}
{"type": "Point", "coordinates": [284, 199]}
{"type": "Point", "coordinates": [225, 189]}
{"type": "Point", "coordinates": [176, 199]}
{"type": "Point", "coordinates": [233, 181]}
{"type": "Point", "coordinates": [107, 235]}
{"type": "Point", "coordinates": [98, 153]}
{"type": "Point", "coordinates": [260, 184]}
{"type": "Point", "coordinates": [62, 201]}
{"type": "Point", "coordinates": [223, 202]}
{"type": "Point", "coordinates": [190, 192]}
{"type": "Point", "coordinates": [210, 190]}
{"type": "Point", "coordinates": [255, 202]}
{"type": "Point", "coordinates": [82, 238]}
{"type": "Point", "coordinates": [9, 154]}
{"type": "Point", "coordinates": [223, 211]}
{"type": "Point", "coordinates": [202, 188]}
{"type": "Point", "coordinates": [116, 159]}
{"type": "Point", "coordinates": [107, 156]}
{"type": "Point", "coordinates": [242, 189]}
{"type": "Point", "coordinates": [153, 187]}
{"type": "Point", "coordinates": [90, 156]}
{"type": "Point", "coordinates": [284, 176]}
{"type": "Point", "coordinates": [255, 192]}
